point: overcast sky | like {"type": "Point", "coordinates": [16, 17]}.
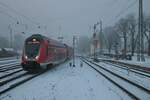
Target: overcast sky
{"type": "Point", "coordinates": [63, 17]}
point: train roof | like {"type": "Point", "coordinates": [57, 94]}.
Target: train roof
{"type": "Point", "coordinates": [51, 41]}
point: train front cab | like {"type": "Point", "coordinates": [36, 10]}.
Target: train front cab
{"type": "Point", "coordinates": [34, 55]}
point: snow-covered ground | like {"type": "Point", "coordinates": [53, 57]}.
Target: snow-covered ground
{"type": "Point", "coordinates": [8, 63]}
{"type": "Point", "coordinates": [8, 58]}
{"type": "Point", "coordinates": [135, 62]}
{"type": "Point", "coordinates": [67, 83]}
{"type": "Point", "coordinates": [11, 60]}
{"type": "Point", "coordinates": [121, 72]}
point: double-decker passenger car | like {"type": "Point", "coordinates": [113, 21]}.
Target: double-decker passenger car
{"type": "Point", "coordinates": [40, 52]}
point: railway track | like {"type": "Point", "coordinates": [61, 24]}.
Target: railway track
{"type": "Point", "coordinates": [134, 90]}
{"type": "Point", "coordinates": [8, 67]}
{"type": "Point", "coordinates": [9, 64]}
{"type": "Point", "coordinates": [143, 73]}
{"type": "Point", "coordinates": [11, 73]}
{"type": "Point", "coordinates": [14, 79]}
{"type": "Point", "coordinates": [131, 66]}
{"type": "Point", "coordinates": [8, 58]}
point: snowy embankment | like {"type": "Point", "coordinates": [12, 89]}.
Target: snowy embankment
{"type": "Point", "coordinates": [134, 61]}
{"type": "Point", "coordinates": [6, 64]}
{"type": "Point", "coordinates": [9, 60]}
{"type": "Point", "coordinates": [67, 83]}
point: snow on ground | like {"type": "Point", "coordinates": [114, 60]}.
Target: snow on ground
{"type": "Point", "coordinates": [67, 83]}
{"type": "Point", "coordinates": [9, 61]}
{"type": "Point", "coordinates": [8, 58]}
{"type": "Point", "coordinates": [8, 64]}
{"type": "Point", "coordinates": [137, 78]}
{"type": "Point", "coordinates": [135, 62]}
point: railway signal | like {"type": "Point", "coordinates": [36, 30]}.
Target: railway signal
{"type": "Point", "coordinates": [95, 42]}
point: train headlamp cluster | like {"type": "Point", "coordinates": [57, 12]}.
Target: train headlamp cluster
{"type": "Point", "coordinates": [26, 57]}
{"type": "Point", "coordinates": [34, 40]}
{"type": "Point", "coordinates": [37, 57]}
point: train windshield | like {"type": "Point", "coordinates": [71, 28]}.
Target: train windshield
{"type": "Point", "coordinates": [32, 49]}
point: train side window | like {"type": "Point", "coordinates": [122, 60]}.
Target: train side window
{"type": "Point", "coordinates": [47, 51]}
{"type": "Point", "coordinates": [55, 51]}
{"type": "Point", "coordinates": [51, 49]}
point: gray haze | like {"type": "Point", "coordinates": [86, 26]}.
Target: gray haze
{"type": "Point", "coordinates": [63, 17]}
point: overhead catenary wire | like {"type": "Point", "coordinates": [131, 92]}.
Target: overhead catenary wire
{"type": "Point", "coordinates": [113, 2]}
{"type": "Point", "coordinates": [18, 13]}
{"type": "Point", "coordinates": [10, 16]}
{"type": "Point", "coordinates": [124, 10]}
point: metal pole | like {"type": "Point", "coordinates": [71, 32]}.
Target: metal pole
{"type": "Point", "coordinates": [101, 30]}
{"type": "Point", "coordinates": [140, 47]}
{"type": "Point", "coordinates": [141, 30]}
{"type": "Point", "coordinates": [94, 40]}
{"type": "Point", "coordinates": [11, 37]}
{"type": "Point", "coordinates": [73, 51]}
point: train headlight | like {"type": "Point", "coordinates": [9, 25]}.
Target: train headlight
{"type": "Point", "coordinates": [26, 57]}
{"type": "Point", "coordinates": [37, 57]}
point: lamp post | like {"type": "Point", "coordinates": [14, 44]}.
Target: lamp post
{"type": "Point", "coordinates": [11, 30]}
{"type": "Point", "coordinates": [11, 37]}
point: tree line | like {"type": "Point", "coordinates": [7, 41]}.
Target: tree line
{"type": "Point", "coordinates": [17, 42]}
{"type": "Point", "coordinates": [123, 36]}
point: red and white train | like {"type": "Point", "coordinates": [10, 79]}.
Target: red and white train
{"type": "Point", "coordinates": [40, 52]}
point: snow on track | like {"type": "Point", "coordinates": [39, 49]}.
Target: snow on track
{"type": "Point", "coordinates": [8, 58]}
{"type": "Point", "coordinates": [139, 79]}
{"type": "Point", "coordinates": [13, 60]}
{"type": "Point", "coordinates": [67, 83]}
{"type": "Point", "coordinates": [138, 92]}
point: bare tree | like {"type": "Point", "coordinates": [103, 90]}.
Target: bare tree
{"type": "Point", "coordinates": [18, 41]}
{"type": "Point", "coordinates": [4, 43]}
{"type": "Point", "coordinates": [147, 31]}
{"type": "Point", "coordinates": [83, 44]}
{"type": "Point", "coordinates": [126, 28]}
{"type": "Point", "coordinates": [112, 37]}
{"type": "Point", "coordinates": [122, 29]}
{"type": "Point", "coordinates": [132, 30]}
